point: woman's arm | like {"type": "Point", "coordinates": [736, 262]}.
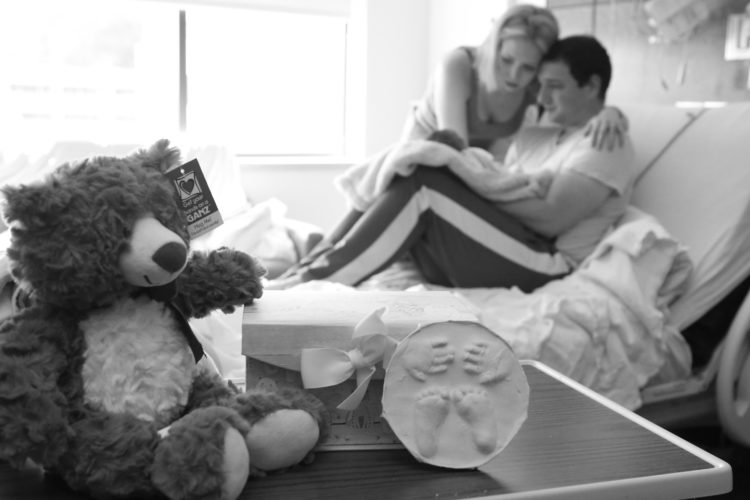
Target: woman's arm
{"type": "Point", "coordinates": [608, 129]}
{"type": "Point", "coordinates": [452, 91]}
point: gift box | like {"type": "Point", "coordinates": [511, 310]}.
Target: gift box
{"type": "Point", "coordinates": [277, 328]}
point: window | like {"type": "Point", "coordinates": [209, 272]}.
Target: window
{"type": "Point", "coordinates": [264, 82]}
{"type": "Point", "coordinates": [271, 81]}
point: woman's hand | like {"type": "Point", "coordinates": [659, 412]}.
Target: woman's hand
{"type": "Point", "coordinates": [607, 129]}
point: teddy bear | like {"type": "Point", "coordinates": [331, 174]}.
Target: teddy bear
{"type": "Point", "coordinates": [102, 381]}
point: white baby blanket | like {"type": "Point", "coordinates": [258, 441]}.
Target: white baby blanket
{"type": "Point", "coordinates": [364, 182]}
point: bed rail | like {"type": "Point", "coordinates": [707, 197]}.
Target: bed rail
{"type": "Point", "coordinates": [733, 379]}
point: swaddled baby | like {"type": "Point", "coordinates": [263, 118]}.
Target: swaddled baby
{"type": "Point", "coordinates": [517, 185]}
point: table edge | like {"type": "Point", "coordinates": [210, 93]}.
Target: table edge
{"type": "Point", "coordinates": [621, 410]}
{"type": "Point", "coordinates": [703, 483]}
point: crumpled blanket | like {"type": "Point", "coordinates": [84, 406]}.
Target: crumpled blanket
{"type": "Point", "coordinates": [364, 182]}
{"type": "Point", "coordinates": [606, 325]}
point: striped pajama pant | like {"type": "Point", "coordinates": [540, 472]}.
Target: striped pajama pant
{"type": "Point", "coordinates": [454, 237]}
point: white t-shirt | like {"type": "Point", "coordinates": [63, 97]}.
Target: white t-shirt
{"type": "Point", "coordinates": [538, 149]}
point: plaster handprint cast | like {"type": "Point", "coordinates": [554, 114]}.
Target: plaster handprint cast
{"type": "Point", "coordinates": [454, 394]}
{"type": "Point", "coordinates": [491, 362]}
{"type": "Point", "coordinates": [423, 358]}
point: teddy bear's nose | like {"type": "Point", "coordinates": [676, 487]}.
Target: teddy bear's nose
{"type": "Point", "coordinates": [170, 256]}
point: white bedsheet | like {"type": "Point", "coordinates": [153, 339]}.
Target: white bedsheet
{"type": "Point", "coordinates": [606, 325]}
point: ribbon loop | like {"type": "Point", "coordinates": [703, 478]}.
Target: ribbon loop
{"type": "Point", "coordinates": [324, 367]}
{"type": "Point", "coordinates": [358, 359]}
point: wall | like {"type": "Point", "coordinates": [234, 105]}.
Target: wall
{"type": "Point", "coordinates": [692, 69]}
{"type": "Point", "coordinates": [396, 66]}
{"type": "Point", "coordinates": [401, 42]}
{"type": "Point", "coordinates": [398, 43]}
{"type": "Point", "coordinates": [453, 23]}
{"type": "Point", "coordinates": [391, 38]}
{"type": "Point", "coordinates": [307, 190]}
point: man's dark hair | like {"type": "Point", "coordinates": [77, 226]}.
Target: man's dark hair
{"type": "Point", "coordinates": [585, 57]}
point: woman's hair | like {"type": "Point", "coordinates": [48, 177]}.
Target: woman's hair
{"type": "Point", "coordinates": [536, 24]}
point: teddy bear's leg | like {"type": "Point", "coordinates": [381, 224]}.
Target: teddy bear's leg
{"type": "Point", "coordinates": [110, 456]}
{"type": "Point", "coordinates": [33, 422]}
{"type": "Point", "coordinates": [285, 426]}
{"type": "Point", "coordinates": [203, 455]}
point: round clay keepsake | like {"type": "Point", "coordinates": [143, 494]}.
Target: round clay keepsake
{"type": "Point", "coordinates": [455, 394]}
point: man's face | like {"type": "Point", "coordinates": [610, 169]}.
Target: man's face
{"type": "Point", "coordinates": [565, 102]}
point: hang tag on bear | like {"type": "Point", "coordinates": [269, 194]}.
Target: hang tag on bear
{"type": "Point", "coordinates": [201, 210]}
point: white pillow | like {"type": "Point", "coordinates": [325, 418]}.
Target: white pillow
{"type": "Point", "coordinates": [217, 162]}
{"type": "Point", "coordinates": [41, 158]}
{"type": "Point", "coordinates": [653, 128]}
{"type": "Point", "coordinates": [699, 189]}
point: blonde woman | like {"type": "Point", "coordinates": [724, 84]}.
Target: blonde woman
{"type": "Point", "coordinates": [487, 93]}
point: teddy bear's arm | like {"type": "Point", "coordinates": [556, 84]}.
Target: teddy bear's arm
{"type": "Point", "coordinates": [209, 389]}
{"type": "Point", "coordinates": [33, 409]}
{"type": "Point", "coordinates": [221, 279]}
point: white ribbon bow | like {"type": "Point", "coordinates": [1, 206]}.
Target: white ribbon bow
{"type": "Point", "coordinates": [324, 367]}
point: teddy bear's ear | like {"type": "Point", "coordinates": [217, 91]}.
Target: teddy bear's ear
{"type": "Point", "coordinates": [160, 156]}
{"type": "Point", "coordinates": [32, 205]}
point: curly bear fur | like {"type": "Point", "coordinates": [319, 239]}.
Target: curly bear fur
{"type": "Point", "coordinates": [99, 375]}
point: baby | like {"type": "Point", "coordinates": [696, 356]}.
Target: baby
{"type": "Point", "coordinates": [512, 184]}
{"type": "Point", "coordinates": [449, 138]}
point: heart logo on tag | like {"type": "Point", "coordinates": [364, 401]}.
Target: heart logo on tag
{"type": "Point", "coordinates": [187, 185]}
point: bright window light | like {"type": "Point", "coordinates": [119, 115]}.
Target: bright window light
{"type": "Point", "coordinates": [259, 81]}
{"type": "Point", "coordinates": [700, 104]}
{"type": "Point", "coordinates": [107, 76]}
{"type": "Point", "coordinates": [271, 83]}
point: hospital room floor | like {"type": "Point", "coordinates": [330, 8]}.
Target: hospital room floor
{"type": "Point", "coordinates": [715, 442]}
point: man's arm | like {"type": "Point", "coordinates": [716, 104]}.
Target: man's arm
{"type": "Point", "coordinates": [571, 197]}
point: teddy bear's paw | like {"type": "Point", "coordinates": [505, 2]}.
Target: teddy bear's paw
{"type": "Point", "coordinates": [245, 275]}
{"type": "Point", "coordinates": [219, 280]}
{"type": "Point", "coordinates": [286, 424]}
{"type": "Point", "coordinates": [203, 455]}
{"type": "Point", "coordinates": [282, 439]}
{"type": "Point", "coordinates": [244, 266]}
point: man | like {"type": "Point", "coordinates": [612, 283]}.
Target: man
{"type": "Point", "coordinates": [457, 238]}
{"type": "Point", "coordinates": [591, 188]}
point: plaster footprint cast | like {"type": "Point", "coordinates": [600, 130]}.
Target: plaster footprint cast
{"type": "Point", "coordinates": [430, 410]}
{"type": "Point", "coordinates": [474, 406]}
{"type": "Point", "coordinates": [455, 413]}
